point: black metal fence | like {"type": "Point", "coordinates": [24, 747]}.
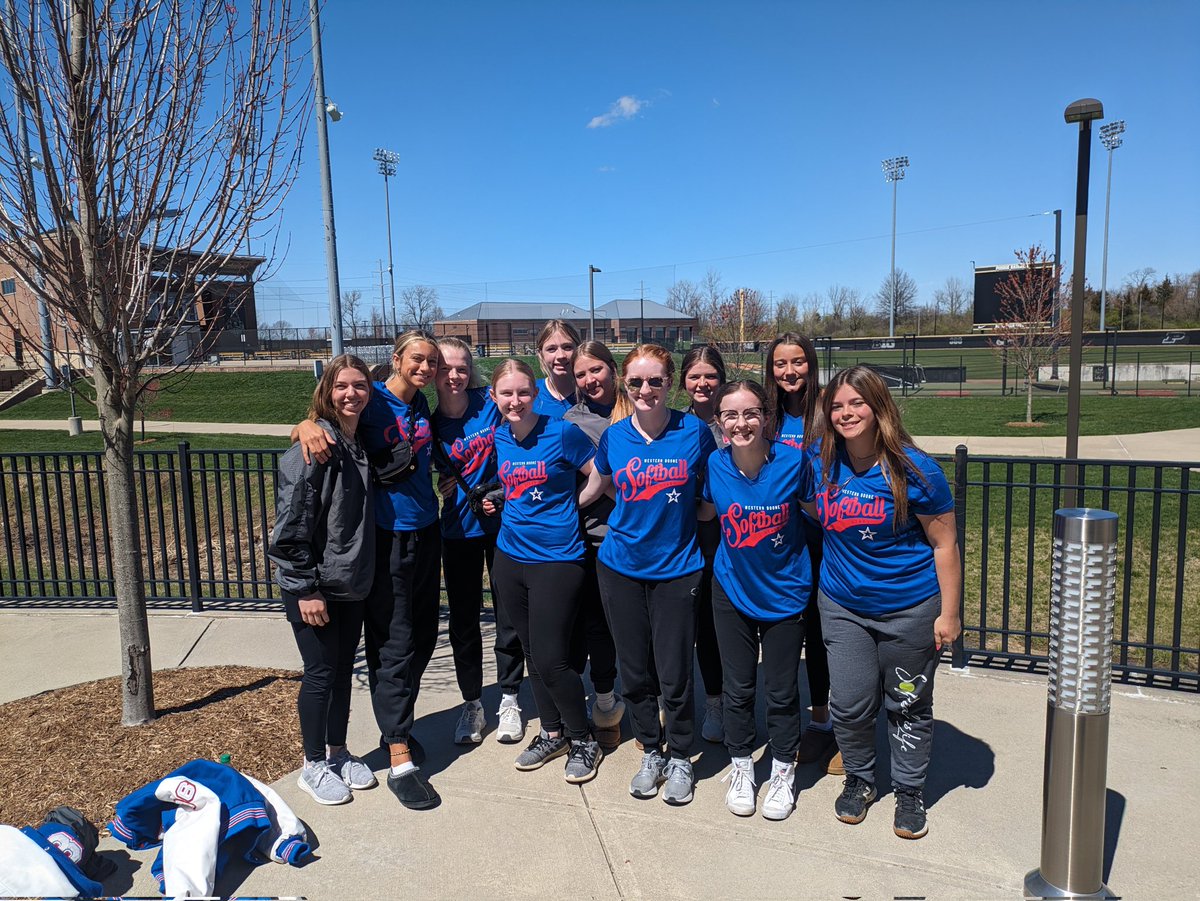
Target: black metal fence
{"type": "Point", "coordinates": [206, 518]}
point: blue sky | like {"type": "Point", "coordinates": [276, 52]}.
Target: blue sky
{"type": "Point", "coordinates": [749, 141]}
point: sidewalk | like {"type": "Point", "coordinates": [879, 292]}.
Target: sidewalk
{"type": "Point", "coordinates": [503, 833]}
{"type": "Point", "coordinates": [1180, 445]}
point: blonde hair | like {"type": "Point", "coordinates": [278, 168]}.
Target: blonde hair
{"type": "Point", "coordinates": [623, 408]}
{"type": "Point", "coordinates": [552, 326]}
{"type": "Point", "coordinates": [510, 366]}
{"type": "Point", "coordinates": [409, 338]}
{"type": "Point", "coordinates": [474, 380]}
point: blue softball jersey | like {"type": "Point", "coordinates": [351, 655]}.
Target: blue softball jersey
{"type": "Point", "coordinates": [540, 523]}
{"type": "Point", "coordinates": [762, 561]}
{"type": "Point", "coordinates": [469, 443]}
{"type": "Point", "coordinates": [870, 565]}
{"type": "Point", "coordinates": [791, 430]}
{"type": "Point", "coordinates": [546, 404]}
{"type": "Point", "coordinates": [410, 504]}
{"type": "Point", "coordinates": [652, 529]}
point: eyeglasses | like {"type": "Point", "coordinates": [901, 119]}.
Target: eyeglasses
{"type": "Point", "coordinates": [635, 383]}
{"type": "Point", "coordinates": [730, 417]}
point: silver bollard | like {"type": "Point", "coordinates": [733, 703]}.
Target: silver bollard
{"type": "Point", "coordinates": [1082, 592]}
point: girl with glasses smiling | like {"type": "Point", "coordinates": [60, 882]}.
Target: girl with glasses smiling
{"type": "Point", "coordinates": [650, 563]}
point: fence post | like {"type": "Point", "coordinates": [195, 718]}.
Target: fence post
{"type": "Point", "coordinates": [962, 374]}
{"type": "Point", "coordinates": [1079, 695]}
{"type": "Point", "coordinates": [958, 654]}
{"type": "Point", "coordinates": [189, 527]}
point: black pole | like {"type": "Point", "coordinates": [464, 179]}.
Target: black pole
{"type": "Point", "coordinates": [1113, 382]}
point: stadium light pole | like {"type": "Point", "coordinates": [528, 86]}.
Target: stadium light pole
{"type": "Point", "coordinates": [592, 270]}
{"type": "Point", "coordinates": [1110, 137]}
{"type": "Point", "coordinates": [1083, 112]}
{"type": "Point", "coordinates": [326, 107]}
{"type": "Point", "coordinates": [893, 171]}
{"type": "Point", "coordinates": [387, 160]}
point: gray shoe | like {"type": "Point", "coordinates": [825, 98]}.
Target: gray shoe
{"type": "Point", "coordinates": [680, 779]}
{"type": "Point", "coordinates": [649, 777]}
{"type": "Point", "coordinates": [323, 784]}
{"type": "Point", "coordinates": [583, 760]}
{"type": "Point", "coordinates": [542, 749]}
{"type": "Point", "coordinates": [351, 770]}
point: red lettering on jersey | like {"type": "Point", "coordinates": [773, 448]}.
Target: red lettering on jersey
{"type": "Point", "coordinates": [393, 434]}
{"type": "Point", "coordinates": [520, 478]}
{"type": "Point", "coordinates": [748, 528]}
{"type": "Point", "coordinates": [639, 484]}
{"type": "Point", "coordinates": [841, 513]}
{"type": "Point", "coordinates": [473, 453]}
{"type": "Point", "coordinates": [185, 793]}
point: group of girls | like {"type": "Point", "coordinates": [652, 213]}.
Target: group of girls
{"type": "Point", "coordinates": [621, 534]}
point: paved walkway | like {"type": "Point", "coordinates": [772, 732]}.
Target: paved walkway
{"type": "Point", "coordinates": [502, 833]}
{"type": "Point", "coordinates": [1180, 445]}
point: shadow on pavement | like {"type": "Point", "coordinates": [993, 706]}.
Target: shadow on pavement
{"type": "Point", "coordinates": [1114, 813]}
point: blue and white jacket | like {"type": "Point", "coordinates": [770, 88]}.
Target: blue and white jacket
{"type": "Point", "coordinates": [196, 813]}
{"type": "Point", "coordinates": [43, 861]}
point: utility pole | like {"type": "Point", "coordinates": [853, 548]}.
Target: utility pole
{"type": "Point", "coordinates": [741, 319]}
{"type": "Point", "coordinates": [592, 270]}
{"type": "Point", "coordinates": [326, 108]}
{"type": "Point", "coordinates": [642, 309]}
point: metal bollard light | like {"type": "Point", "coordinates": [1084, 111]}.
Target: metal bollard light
{"type": "Point", "coordinates": [1082, 594]}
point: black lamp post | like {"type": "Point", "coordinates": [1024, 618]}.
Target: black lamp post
{"type": "Point", "coordinates": [592, 270]}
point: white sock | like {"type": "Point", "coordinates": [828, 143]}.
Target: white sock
{"type": "Point", "coordinates": [744, 763]}
{"type": "Point", "coordinates": [508, 701]}
{"type": "Point", "coordinates": [403, 768]}
{"type": "Point", "coordinates": [606, 700]}
{"type": "Point", "coordinates": [826, 726]}
{"type": "Point", "coordinates": [779, 766]}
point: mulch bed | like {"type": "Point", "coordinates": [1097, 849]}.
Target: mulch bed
{"type": "Point", "coordinates": [68, 746]}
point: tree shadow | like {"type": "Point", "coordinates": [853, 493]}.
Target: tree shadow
{"type": "Point", "coordinates": [224, 694]}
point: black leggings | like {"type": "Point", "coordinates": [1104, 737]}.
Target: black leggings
{"type": "Point", "coordinates": [402, 624]}
{"type": "Point", "coordinates": [708, 654]}
{"type": "Point", "coordinates": [816, 657]}
{"type": "Point", "coordinates": [593, 639]}
{"type": "Point", "coordinates": [654, 625]}
{"type": "Point", "coordinates": [328, 653]}
{"type": "Point", "coordinates": [463, 560]}
{"type": "Point", "coordinates": [542, 601]}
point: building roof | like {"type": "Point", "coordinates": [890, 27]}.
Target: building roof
{"type": "Point", "coordinates": [634, 309]}
{"type": "Point", "coordinates": [614, 309]}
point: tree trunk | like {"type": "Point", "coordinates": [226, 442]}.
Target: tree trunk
{"type": "Point", "coordinates": [1029, 396]}
{"type": "Point", "coordinates": [116, 424]}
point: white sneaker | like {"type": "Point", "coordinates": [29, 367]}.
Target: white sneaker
{"type": "Point", "coordinates": [511, 728]}
{"type": "Point", "coordinates": [780, 800]}
{"type": "Point", "coordinates": [323, 784]}
{"type": "Point", "coordinates": [471, 724]}
{"type": "Point", "coordinates": [352, 770]}
{"type": "Point", "coordinates": [740, 796]}
{"type": "Point", "coordinates": [713, 727]}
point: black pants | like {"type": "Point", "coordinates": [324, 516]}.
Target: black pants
{"type": "Point", "coordinates": [708, 654]}
{"type": "Point", "coordinates": [463, 560]}
{"type": "Point", "coordinates": [816, 657]}
{"type": "Point", "coordinates": [654, 626]}
{"type": "Point", "coordinates": [328, 654]}
{"type": "Point", "coordinates": [593, 639]}
{"type": "Point", "coordinates": [402, 624]}
{"type": "Point", "coordinates": [740, 637]}
{"type": "Point", "coordinates": [541, 600]}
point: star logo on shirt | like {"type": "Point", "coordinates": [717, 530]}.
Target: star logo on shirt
{"type": "Point", "coordinates": [776, 541]}
{"type": "Point", "coordinates": [536, 494]}
{"type": "Point", "coordinates": [867, 534]}
{"type": "Point", "coordinates": [672, 496]}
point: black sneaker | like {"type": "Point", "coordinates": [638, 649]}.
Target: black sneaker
{"type": "Point", "coordinates": [413, 790]}
{"type": "Point", "coordinates": [857, 795]}
{"type": "Point", "coordinates": [910, 813]}
{"type": "Point", "coordinates": [582, 761]}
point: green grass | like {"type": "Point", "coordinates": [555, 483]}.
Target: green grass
{"type": "Point", "coordinates": [1098, 415]}
{"type": "Point", "coordinates": [13, 441]}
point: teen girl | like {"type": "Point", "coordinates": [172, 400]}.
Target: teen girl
{"type": "Point", "coordinates": [464, 425]}
{"type": "Point", "coordinates": [650, 563]}
{"type": "Point", "coordinates": [761, 585]}
{"type": "Point", "coordinates": [596, 381]}
{"type": "Point", "coordinates": [556, 344]}
{"type": "Point", "coordinates": [538, 571]}
{"type": "Point", "coordinates": [401, 617]}
{"type": "Point", "coordinates": [324, 531]}
{"type": "Point", "coordinates": [890, 589]}
{"type": "Point", "coordinates": [702, 374]}
{"type": "Point", "coordinates": [793, 405]}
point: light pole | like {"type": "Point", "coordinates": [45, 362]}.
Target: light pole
{"type": "Point", "coordinates": [592, 270]}
{"type": "Point", "coordinates": [325, 106]}
{"type": "Point", "coordinates": [1110, 137]}
{"type": "Point", "coordinates": [893, 171]}
{"type": "Point", "coordinates": [1083, 112]}
{"type": "Point", "coordinates": [387, 160]}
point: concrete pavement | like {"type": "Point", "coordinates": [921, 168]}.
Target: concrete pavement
{"type": "Point", "coordinates": [504, 833]}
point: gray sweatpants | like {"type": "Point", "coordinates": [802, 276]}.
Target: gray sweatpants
{"type": "Point", "coordinates": [888, 659]}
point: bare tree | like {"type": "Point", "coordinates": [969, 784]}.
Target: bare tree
{"type": "Point", "coordinates": [837, 299]}
{"type": "Point", "coordinates": [165, 130]}
{"type": "Point", "coordinates": [419, 307]}
{"type": "Point", "coordinates": [351, 305]}
{"type": "Point", "coordinates": [953, 298]}
{"type": "Point", "coordinates": [905, 292]}
{"type": "Point", "coordinates": [810, 313]}
{"type": "Point", "coordinates": [1138, 284]}
{"type": "Point", "coordinates": [787, 314]}
{"type": "Point", "coordinates": [1025, 330]}
{"type": "Point", "coordinates": [858, 315]}
{"type": "Point", "coordinates": [738, 323]}
{"type": "Point", "coordinates": [686, 297]}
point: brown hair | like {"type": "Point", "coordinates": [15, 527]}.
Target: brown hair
{"type": "Point", "coordinates": [510, 366]}
{"type": "Point", "coordinates": [473, 380]}
{"type": "Point", "coordinates": [597, 350]}
{"type": "Point", "coordinates": [552, 326]}
{"type": "Point", "coordinates": [777, 398]}
{"type": "Point", "coordinates": [754, 388]}
{"type": "Point", "coordinates": [322, 399]}
{"type": "Point", "coordinates": [705, 353]}
{"type": "Point", "coordinates": [892, 441]}
{"type": "Point", "coordinates": [623, 408]}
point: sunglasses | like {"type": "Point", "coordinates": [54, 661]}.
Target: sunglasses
{"type": "Point", "coordinates": [635, 383]}
{"type": "Point", "coordinates": [730, 417]}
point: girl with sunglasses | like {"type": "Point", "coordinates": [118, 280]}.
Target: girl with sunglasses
{"type": "Point", "coordinates": [650, 563]}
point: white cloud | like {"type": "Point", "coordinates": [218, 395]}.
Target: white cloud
{"type": "Point", "coordinates": [625, 108]}
{"type": "Point", "coordinates": [607, 169]}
